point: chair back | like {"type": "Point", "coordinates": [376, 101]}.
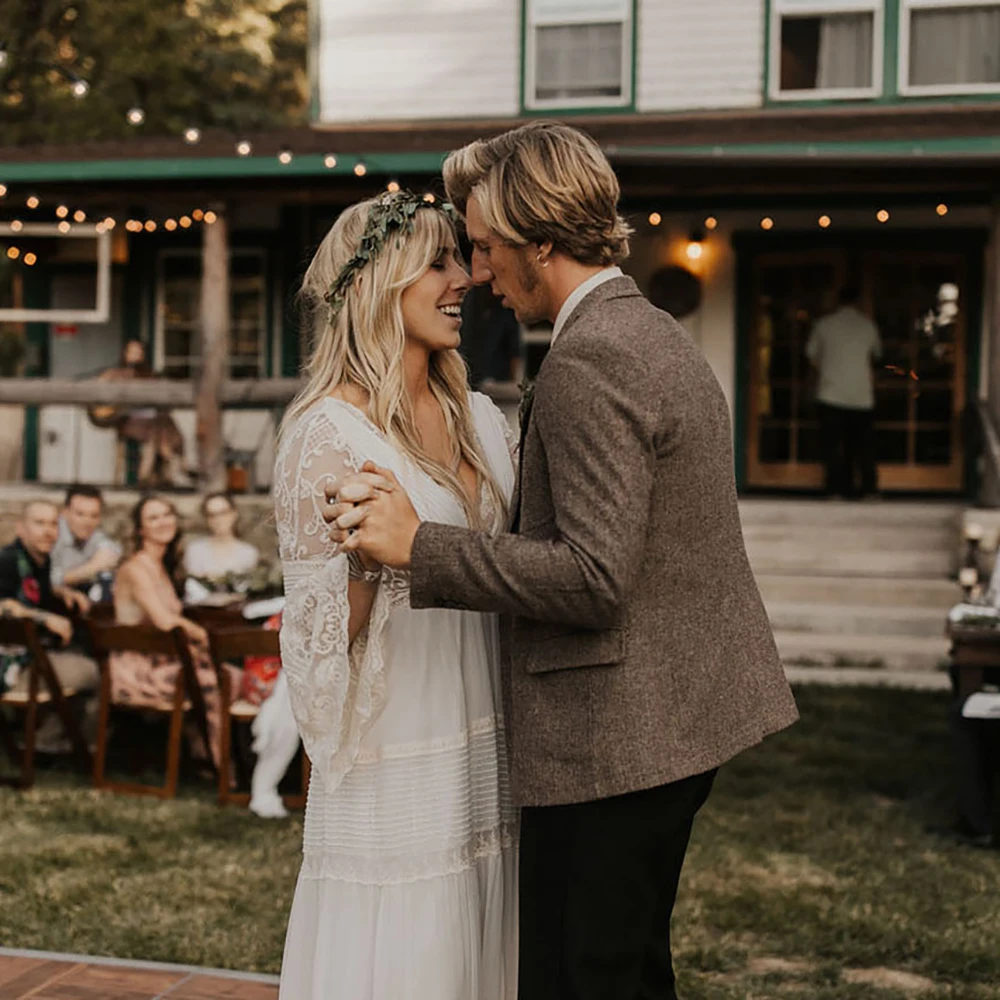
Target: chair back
{"type": "Point", "coordinates": [19, 632]}
{"type": "Point", "coordinates": [248, 640]}
{"type": "Point", "coordinates": [210, 616]}
{"type": "Point", "coordinates": [113, 638]}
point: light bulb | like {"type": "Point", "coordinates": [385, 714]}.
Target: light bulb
{"type": "Point", "coordinates": [329, 161]}
{"type": "Point", "coordinates": [694, 250]}
{"type": "Point", "coordinates": [109, 223]}
{"type": "Point", "coordinates": [13, 253]}
{"type": "Point", "coordinates": [185, 221]}
{"type": "Point", "coordinates": [79, 216]}
{"type": "Point", "coordinates": [32, 201]}
{"type": "Point", "coordinates": [392, 187]}
{"type": "Point", "coordinates": [197, 215]}
{"type": "Point", "coordinates": [942, 209]}
{"type": "Point", "coordinates": [244, 147]}
{"type": "Point", "coordinates": [824, 221]}
{"type": "Point", "coordinates": [150, 226]}
{"type": "Point", "coordinates": [882, 215]}
{"type": "Point", "coordinates": [3, 190]}
{"type": "Point", "coordinates": [711, 222]}
{"type": "Point", "coordinates": [429, 198]}
{"type": "Point", "coordinates": [285, 157]}
{"type": "Point", "coordinates": [30, 259]}
{"type": "Point", "coordinates": [64, 227]}
{"type": "Point", "coordinates": [170, 225]}
{"type": "Point", "coordinates": [61, 212]}
{"type": "Point", "coordinates": [767, 223]}
{"type": "Point", "coordinates": [655, 218]}
{"type": "Point", "coordinates": [135, 116]}
{"type": "Point", "coordinates": [192, 135]}
{"type": "Point", "coordinates": [210, 218]}
{"type": "Point", "coordinates": [360, 170]}
{"type": "Point", "coordinates": [80, 88]}
{"type": "Point", "coordinates": [16, 225]}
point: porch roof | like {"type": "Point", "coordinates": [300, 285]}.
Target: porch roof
{"type": "Point", "coordinates": [872, 133]}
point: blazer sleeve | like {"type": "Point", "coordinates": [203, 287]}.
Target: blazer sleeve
{"type": "Point", "coordinates": [595, 421]}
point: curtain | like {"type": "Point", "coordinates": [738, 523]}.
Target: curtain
{"type": "Point", "coordinates": [845, 52]}
{"type": "Point", "coordinates": [578, 60]}
{"type": "Point", "coordinates": [955, 45]}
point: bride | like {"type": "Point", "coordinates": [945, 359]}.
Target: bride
{"type": "Point", "coordinates": [408, 879]}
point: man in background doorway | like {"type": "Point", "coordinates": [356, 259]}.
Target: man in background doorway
{"type": "Point", "coordinates": [842, 347]}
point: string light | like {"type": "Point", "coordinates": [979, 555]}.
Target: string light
{"type": "Point", "coordinates": [285, 157]}
{"type": "Point", "coordinates": [767, 223]}
{"type": "Point", "coordinates": [80, 88]}
{"type": "Point", "coordinates": [150, 226]}
{"type": "Point", "coordinates": [32, 201]}
{"type": "Point", "coordinates": [882, 215]}
{"type": "Point", "coordinates": [13, 253]}
{"type": "Point", "coordinates": [4, 56]}
{"type": "Point", "coordinates": [61, 212]}
{"type": "Point", "coordinates": [185, 221]}
{"type": "Point", "coordinates": [197, 215]}
{"type": "Point", "coordinates": [135, 116]}
{"type": "Point", "coordinates": [824, 221]}
{"type": "Point", "coordinates": [192, 136]}
{"type": "Point", "coordinates": [109, 223]}
{"type": "Point", "coordinates": [655, 218]}
{"type": "Point", "coordinates": [170, 225]}
{"type": "Point", "coordinates": [360, 169]}
{"type": "Point", "coordinates": [244, 147]}
{"type": "Point", "coordinates": [329, 161]}
{"type": "Point", "coordinates": [133, 226]}
{"type": "Point", "coordinates": [942, 210]}
{"type": "Point", "coordinates": [211, 218]}
{"type": "Point", "coordinates": [79, 215]}
{"type": "Point", "coordinates": [711, 222]}
{"type": "Point", "coordinates": [392, 187]}
{"type": "Point", "coordinates": [64, 227]}
{"type": "Point", "coordinates": [16, 225]}
{"type": "Point", "coordinates": [30, 259]}
{"type": "Point", "coordinates": [3, 190]}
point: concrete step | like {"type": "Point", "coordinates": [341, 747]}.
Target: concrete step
{"type": "Point", "coordinates": [892, 652]}
{"type": "Point", "coordinates": [885, 537]}
{"type": "Point", "coordinates": [871, 560]}
{"type": "Point", "coordinates": [881, 591]}
{"type": "Point", "coordinates": [824, 513]}
{"type": "Point", "coordinates": [856, 619]}
{"type": "Point", "coordinates": [911, 680]}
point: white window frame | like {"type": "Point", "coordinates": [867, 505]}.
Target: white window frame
{"type": "Point", "coordinates": [906, 89]}
{"type": "Point", "coordinates": [101, 312]}
{"type": "Point", "coordinates": [534, 19]}
{"type": "Point", "coordinates": [822, 8]}
{"type": "Point", "coordinates": [159, 327]}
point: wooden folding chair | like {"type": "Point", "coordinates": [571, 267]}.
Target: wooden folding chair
{"type": "Point", "coordinates": [214, 616]}
{"type": "Point", "coordinates": [234, 644]}
{"type": "Point", "coordinates": [187, 698]}
{"type": "Point", "coordinates": [44, 689]}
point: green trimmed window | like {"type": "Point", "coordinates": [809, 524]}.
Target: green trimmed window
{"type": "Point", "coordinates": [826, 49]}
{"type": "Point", "coordinates": [949, 47]}
{"type": "Point", "coordinates": [578, 54]}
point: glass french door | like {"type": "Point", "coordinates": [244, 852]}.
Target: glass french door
{"type": "Point", "coordinates": [919, 301]}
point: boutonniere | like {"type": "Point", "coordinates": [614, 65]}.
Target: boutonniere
{"type": "Point", "coordinates": [31, 590]}
{"type": "Point", "coordinates": [527, 388]}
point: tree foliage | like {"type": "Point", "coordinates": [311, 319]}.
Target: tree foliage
{"type": "Point", "coordinates": [232, 64]}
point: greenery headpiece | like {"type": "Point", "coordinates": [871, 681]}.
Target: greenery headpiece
{"type": "Point", "coordinates": [391, 213]}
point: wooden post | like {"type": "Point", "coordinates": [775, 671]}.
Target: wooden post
{"type": "Point", "coordinates": [214, 351]}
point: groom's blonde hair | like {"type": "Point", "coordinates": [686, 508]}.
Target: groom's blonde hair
{"type": "Point", "coordinates": [543, 182]}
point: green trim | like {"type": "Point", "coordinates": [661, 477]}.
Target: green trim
{"type": "Point", "coordinates": [948, 146]}
{"type": "Point", "coordinates": [224, 167]}
{"type": "Point", "coordinates": [312, 59]}
{"type": "Point", "coordinates": [574, 112]}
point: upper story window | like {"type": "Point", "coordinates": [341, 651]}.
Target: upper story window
{"type": "Point", "coordinates": [578, 53]}
{"type": "Point", "coordinates": [825, 49]}
{"type": "Point", "coordinates": [949, 47]}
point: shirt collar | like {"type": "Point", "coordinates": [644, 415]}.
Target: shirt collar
{"type": "Point", "coordinates": [579, 294]}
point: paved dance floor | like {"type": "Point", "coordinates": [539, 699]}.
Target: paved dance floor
{"type": "Point", "coordinates": [44, 976]}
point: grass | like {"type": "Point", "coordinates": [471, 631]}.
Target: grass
{"type": "Point", "coordinates": [810, 874]}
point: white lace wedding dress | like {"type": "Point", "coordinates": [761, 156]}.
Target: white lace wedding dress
{"type": "Point", "coordinates": [407, 889]}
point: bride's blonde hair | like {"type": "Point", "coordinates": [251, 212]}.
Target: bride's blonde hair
{"type": "Point", "coordinates": [363, 345]}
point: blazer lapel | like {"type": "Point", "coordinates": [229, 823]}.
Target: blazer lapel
{"type": "Point", "coordinates": [515, 507]}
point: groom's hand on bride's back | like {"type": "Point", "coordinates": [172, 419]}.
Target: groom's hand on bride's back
{"type": "Point", "coordinates": [371, 513]}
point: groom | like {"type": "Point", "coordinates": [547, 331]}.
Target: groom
{"type": "Point", "coordinates": [640, 655]}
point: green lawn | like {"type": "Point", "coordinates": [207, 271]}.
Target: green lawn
{"type": "Point", "coordinates": [809, 876]}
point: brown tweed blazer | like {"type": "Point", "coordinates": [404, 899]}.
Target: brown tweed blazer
{"type": "Point", "coordinates": [638, 651]}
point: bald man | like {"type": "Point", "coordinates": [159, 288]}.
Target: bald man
{"type": "Point", "coordinates": [26, 591]}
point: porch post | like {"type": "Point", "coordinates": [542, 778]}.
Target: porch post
{"type": "Point", "coordinates": [214, 350]}
{"type": "Point", "coordinates": [989, 495]}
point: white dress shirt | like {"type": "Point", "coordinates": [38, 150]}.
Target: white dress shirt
{"type": "Point", "coordinates": [579, 293]}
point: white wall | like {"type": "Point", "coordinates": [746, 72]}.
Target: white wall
{"type": "Point", "coordinates": [700, 54]}
{"type": "Point", "coordinates": [391, 60]}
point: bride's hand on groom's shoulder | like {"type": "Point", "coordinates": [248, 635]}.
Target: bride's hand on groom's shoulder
{"type": "Point", "coordinates": [370, 513]}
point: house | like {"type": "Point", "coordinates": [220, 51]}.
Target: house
{"type": "Point", "coordinates": [769, 151]}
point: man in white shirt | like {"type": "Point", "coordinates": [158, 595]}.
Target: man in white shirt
{"type": "Point", "coordinates": [842, 347]}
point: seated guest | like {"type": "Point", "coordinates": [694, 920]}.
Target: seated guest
{"type": "Point", "coordinates": [146, 591]}
{"type": "Point", "coordinates": [84, 557]}
{"type": "Point", "coordinates": [27, 591]}
{"type": "Point", "coordinates": [222, 552]}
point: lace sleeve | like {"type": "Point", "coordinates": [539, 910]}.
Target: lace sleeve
{"type": "Point", "coordinates": [336, 688]}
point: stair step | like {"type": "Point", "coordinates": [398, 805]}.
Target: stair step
{"type": "Point", "coordinates": [911, 680]}
{"type": "Point", "coordinates": [824, 513]}
{"type": "Point", "coordinates": [856, 619]}
{"type": "Point", "coordinates": [892, 652]}
{"type": "Point", "coordinates": [790, 558]}
{"type": "Point", "coordinates": [883, 591]}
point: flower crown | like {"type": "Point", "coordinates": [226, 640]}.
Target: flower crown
{"type": "Point", "coordinates": [391, 213]}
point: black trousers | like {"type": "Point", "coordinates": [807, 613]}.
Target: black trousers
{"type": "Point", "coordinates": [597, 888]}
{"type": "Point", "coordinates": [847, 439]}
{"type": "Point", "coordinates": [975, 745]}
